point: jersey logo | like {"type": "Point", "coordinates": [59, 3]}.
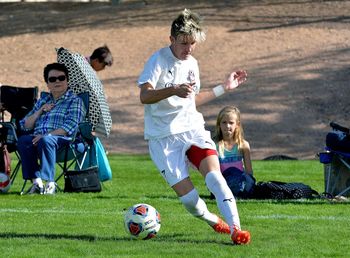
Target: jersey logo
{"type": "Point", "coordinates": [209, 143]}
{"type": "Point", "coordinates": [191, 77]}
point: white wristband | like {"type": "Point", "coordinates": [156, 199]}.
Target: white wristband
{"type": "Point", "coordinates": [218, 90]}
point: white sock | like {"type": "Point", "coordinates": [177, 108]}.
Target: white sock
{"type": "Point", "coordinates": [38, 181]}
{"type": "Point", "coordinates": [225, 200]}
{"type": "Point", "coordinates": [197, 207]}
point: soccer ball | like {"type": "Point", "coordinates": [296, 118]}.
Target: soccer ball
{"type": "Point", "coordinates": [142, 221]}
{"type": "Point", "coordinates": [5, 183]}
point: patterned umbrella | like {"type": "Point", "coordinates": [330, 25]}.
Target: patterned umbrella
{"type": "Point", "coordinates": [82, 78]}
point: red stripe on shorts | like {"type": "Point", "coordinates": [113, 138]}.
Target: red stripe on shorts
{"type": "Point", "coordinates": [196, 154]}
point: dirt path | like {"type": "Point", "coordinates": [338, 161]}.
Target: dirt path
{"type": "Point", "coordinates": [296, 52]}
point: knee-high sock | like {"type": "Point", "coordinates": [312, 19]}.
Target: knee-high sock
{"type": "Point", "coordinates": [224, 198]}
{"type": "Point", "coordinates": [197, 207]}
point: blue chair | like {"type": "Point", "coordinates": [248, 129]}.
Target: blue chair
{"type": "Point", "coordinates": [336, 160]}
{"type": "Point", "coordinates": [79, 149]}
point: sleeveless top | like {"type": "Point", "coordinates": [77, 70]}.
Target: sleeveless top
{"type": "Point", "coordinates": [231, 158]}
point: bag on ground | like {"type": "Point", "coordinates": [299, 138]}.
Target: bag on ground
{"type": "Point", "coordinates": [104, 169]}
{"type": "Point", "coordinates": [98, 158]}
{"type": "Point", "coordinates": [85, 180]}
{"type": "Point", "coordinates": [282, 190]}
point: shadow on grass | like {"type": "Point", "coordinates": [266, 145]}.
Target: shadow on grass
{"type": "Point", "coordinates": [90, 238]}
{"type": "Point", "coordinates": [315, 201]}
{"type": "Point", "coordinates": [296, 201]}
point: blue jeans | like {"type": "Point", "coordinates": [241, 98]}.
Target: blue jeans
{"type": "Point", "coordinates": [240, 183]}
{"type": "Point", "coordinates": [45, 151]}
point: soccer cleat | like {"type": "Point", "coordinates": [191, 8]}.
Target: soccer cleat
{"type": "Point", "coordinates": [221, 227]}
{"type": "Point", "coordinates": [35, 189]}
{"type": "Point", "coordinates": [240, 237]}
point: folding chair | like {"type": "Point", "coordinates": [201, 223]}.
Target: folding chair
{"type": "Point", "coordinates": [80, 152]}
{"type": "Point", "coordinates": [17, 102]}
{"type": "Point", "coordinates": [336, 167]}
{"type": "Point", "coordinates": [80, 148]}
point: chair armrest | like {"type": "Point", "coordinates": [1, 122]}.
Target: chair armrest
{"type": "Point", "coordinates": [8, 132]}
{"type": "Point", "coordinates": [85, 129]}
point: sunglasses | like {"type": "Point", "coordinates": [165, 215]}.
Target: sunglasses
{"type": "Point", "coordinates": [61, 78]}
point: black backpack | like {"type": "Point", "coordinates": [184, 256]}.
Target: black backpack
{"type": "Point", "coordinates": [282, 190]}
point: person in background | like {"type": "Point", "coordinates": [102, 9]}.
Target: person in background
{"type": "Point", "coordinates": [170, 91]}
{"type": "Point", "coordinates": [53, 122]}
{"type": "Point", "coordinates": [234, 152]}
{"type": "Point", "coordinates": [100, 58]}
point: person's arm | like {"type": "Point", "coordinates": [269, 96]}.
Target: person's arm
{"type": "Point", "coordinates": [247, 159]}
{"type": "Point", "coordinates": [29, 122]}
{"type": "Point", "coordinates": [149, 95]}
{"type": "Point", "coordinates": [233, 80]}
{"type": "Point", "coordinates": [75, 113]}
{"type": "Point", "coordinates": [58, 131]}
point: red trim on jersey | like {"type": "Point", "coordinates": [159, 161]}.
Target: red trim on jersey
{"type": "Point", "coordinates": [196, 154]}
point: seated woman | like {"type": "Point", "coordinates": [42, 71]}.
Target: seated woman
{"type": "Point", "coordinates": [234, 152]}
{"type": "Point", "coordinates": [53, 120]}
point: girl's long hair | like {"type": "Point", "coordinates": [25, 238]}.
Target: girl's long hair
{"type": "Point", "coordinates": [238, 136]}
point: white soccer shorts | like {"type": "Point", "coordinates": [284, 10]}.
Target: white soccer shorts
{"type": "Point", "coordinates": [169, 153]}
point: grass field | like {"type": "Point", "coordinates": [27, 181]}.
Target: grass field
{"type": "Point", "coordinates": [91, 225]}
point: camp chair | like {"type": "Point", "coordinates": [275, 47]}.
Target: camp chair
{"type": "Point", "coordinates": [79, 149]}
{"type": "Point", "coordinates": [80, 152]}
{"type": "Point", "coordinates": [336, 167]}
{"type": "Point", "coordinates": [16, 102]}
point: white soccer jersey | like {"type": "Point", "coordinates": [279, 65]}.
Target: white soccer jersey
{"type": "Point", "coordinates": [172, 115]}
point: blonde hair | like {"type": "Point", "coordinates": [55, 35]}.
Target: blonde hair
{"type": "Point", "coordinates": [238, 135]}
{"type": "Point", "coordinates": [188, 24]}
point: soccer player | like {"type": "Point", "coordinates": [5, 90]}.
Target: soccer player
{"type": "Point", "coordinates": [169, 89]}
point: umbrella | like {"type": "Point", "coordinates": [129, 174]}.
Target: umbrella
{"type": "Point", "coordinates": [83, 78]}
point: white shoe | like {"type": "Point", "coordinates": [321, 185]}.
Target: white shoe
{"type": "Point", "coordinates": [50, 188]}
{"type": "Point", "coordinates": [35, 189]}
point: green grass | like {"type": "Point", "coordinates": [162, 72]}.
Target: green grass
{"type": "Point", "coordinates": [91, 225]}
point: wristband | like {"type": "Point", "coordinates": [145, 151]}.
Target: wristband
{"type": "Point", "coordinates": [218, 90]}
